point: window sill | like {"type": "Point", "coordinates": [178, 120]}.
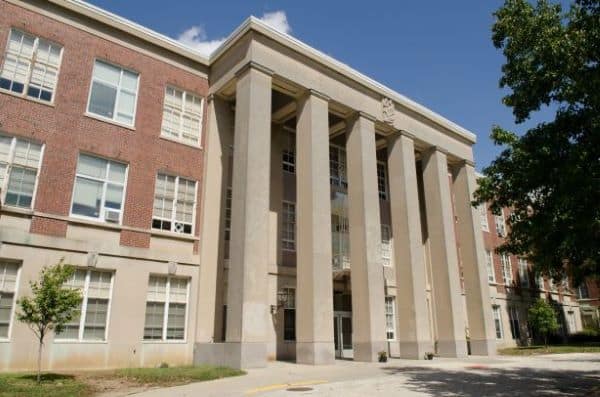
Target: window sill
{"type": "Point", "coordinates": [79, 342]}
{"type": "Point", "coordinates": [164, 342]}
{"type": "Point", "coordinates": [27, 98]}
{"type": "Point", "coordinates": [109, 121]}
{"type": "Point", "coordinates": [174, 140]}
{"type": "Point", "coordinates": [173, 235]}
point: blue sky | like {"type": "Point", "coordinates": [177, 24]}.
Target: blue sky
{"type": "Point", "coordinates": [438, 53]}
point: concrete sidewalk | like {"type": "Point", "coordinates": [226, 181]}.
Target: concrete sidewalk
{"type": "Point", "coordinates": [562, 374]}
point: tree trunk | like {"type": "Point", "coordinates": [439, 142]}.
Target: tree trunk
{"type": "Point", "coordinates": [39, 363]}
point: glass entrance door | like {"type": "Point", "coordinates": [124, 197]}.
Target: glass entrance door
{"type": "Point", "coordinates": [342, 328]}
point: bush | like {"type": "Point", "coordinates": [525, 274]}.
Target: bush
{"type": "Point", "coordinates": [586, 336]}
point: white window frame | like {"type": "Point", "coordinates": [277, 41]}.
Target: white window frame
{"type": "Point", "coordinates": [174, 209]}
{"type": "Point", "coordinates": [182, 111]}
{"type": "Point", "coordinates": [386, 247]}
{"type": "Point", "coordinates": [101, 216]}
{"type": "Point", "coordinates": [507, 277]}
{"type": "Point", "coordinates": [391, 330]}
{"type": "Point", "coordinates": [523, 272]}
{"type": "Point", "coordinates": [288, 152]}
{"type": "Point", "coordinates": [14, 300]}
{"type": "Point", "coordinates": [9, 165]}
{"type": "Point", "coordinates": [382, 181]}
{"type": "Point", "coordinates": [166, 303]}
{"type": "Point", "coordinates": [84, 303]}
{"type": "Point", "coordinates": [118, 87]}
{"type": "Point", "coordinates": [500, 223]}
{"type": "Point", "coordinates": [489, 259]}
{"type": "Point", "coordinates": [285, 240]}
{"type": "Point", "coordinates": [485, 225]}
{"type": "Point", "coordinates": [497, 316]}
{"type": "Point", "coordinates": [32, 61]}
{"type": "Point", "coordinates": [341, 179]}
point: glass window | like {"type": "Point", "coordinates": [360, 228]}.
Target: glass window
{"type": "Point", "coordinates": [513, 316]}
{"type": "Point", "coordinates": [500, 224]}
{"type": "Point", "coordinates": [288, 226]}
{"type": "Point", "coordinates": [288, 152]}
{"type": "Point", "coordinates": [166, 308]}
{"type": "Point", "coordinates": [20, 162]}
{"type": "Point", "coordinates": [390, 317]}
{"type": "Point", "coordinates": [583, 291]}
{"type": "Point", "coordinates": [497, 321]}
{"type": "Point", "coordinates": [30, 66]}
{"type": "Point", "coordinates": [386, 245]}
{"type": "Point", "coordinates": [289, 314]}
{"type": "Point", "coordinates": [523, 272]}
{"type": "Point", "coordinates": [228, 214]}
{"type": "Point", "coordinates": [337, 167]}
{"type": "Point", "coordinates": [182, 116]}
{"type": "Point", "coordinates": [91, 319]}
{"type": "Point", "coordinates": [99, 189]}
{"type": "Point", "coordinates": [8, 289]}
{"type": "Point", "coordinates": [484, 217]}
{"type": "Point", "coordinates": [489, 262]}
{"type": "Point", "coordinates": [114, 92]}
{"type": "Point", "coordinates": [506, 269]}
{"type": "Point", "coordinates": [174, 204]}
{"type": "Point", "coordinates": [382, 181]}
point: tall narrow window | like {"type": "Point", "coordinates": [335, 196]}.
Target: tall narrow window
{"type": "Point", "coordinates": [386, 245]}
{"type": "Point", "coordinates": [583, 291]}
{"type": "Point", "coordinates": [485, 226]}
{"type": "Point", "coordinates": [497, 321]}
{"type": "Point", "coordinates": [523, 272]}
{"type": "Point", "coordinates": [513, 316]}
{"type": "Point", "coordinates": [390, 317]}
{"type": "Point", "coordinates": [20, 162]}
{"type": "Point", "coordinates": [337, 167]}
{"type": "Point", "coordinates": [506, 269]}
{"type": "Point", "coordinates": [382, 184]}
{"type": "Point", "coordinates": [182, 116]}
{"type": "Point", "coordinates": [500, 224]}
{"type": "Point", "coordinates": [289, 314]}
{"type": "Point", "coordinates": [114, 93]}
{"type": "Point", "coordinates": [99, 189]}
{"type": "Point", "coordinates": [288, 152]}
{"type": "Point", "coordinates": [489, 262]}
{"type": "Point", "coordinates": [8, 289]}
{"type": "Point", "coordinates": [166, 308]}
{"type": "Point", "coordinates": [30, 66]}
{"type": "Point", "coordinates": [90, 322]}
{"type": "Point", "coordinates": [228, 214]}
{"type": "Point", "coordinates": [174, 204]}
{"type": "Point", "coordinates": [288, 226]}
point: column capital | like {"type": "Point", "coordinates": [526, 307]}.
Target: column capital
{"type": "Point", "coordinates": [360, 114]}
{"type": "Point", "coordinates": [435, 148]}
{"type": "Point", "coordinates": [318, 94]}
{"type": "Point", "coordinates": [256, 66]}
{"type": "Point", "coordinates": [464, 162]}
{"type": "Point", "coordinates": [399, 133]}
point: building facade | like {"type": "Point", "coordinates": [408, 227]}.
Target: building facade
{"type": "Point", "coordinates": [267, 202]}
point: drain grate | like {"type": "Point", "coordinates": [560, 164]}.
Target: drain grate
{"type": "Point", "coordinates": [299, 389]}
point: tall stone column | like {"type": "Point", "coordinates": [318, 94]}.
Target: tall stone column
{"type": "Point", "coordinates": [448, 303]}
{"type": "Point", "coordinates": [247, 305]}
{"type": "Point", "coordinates": [368, 295]}
{"type": "Point", "coordinates": [479, 312]}
{"type": "Point", "coordinates": [314, 286]}
{"type": "Point", "coordinates": [411, 296]}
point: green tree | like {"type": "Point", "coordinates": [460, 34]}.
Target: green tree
{"type": "Point", "coordinates": [550, 176]}
{"type": "Point", "coordinates": [542, 319]}
{"type": "Point", "coordinates": [51, 305]}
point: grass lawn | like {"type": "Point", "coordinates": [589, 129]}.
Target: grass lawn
{"type": "Point", "coordinates": [533, 350]}
{"type": "Point", "coordinates": [85, 384]}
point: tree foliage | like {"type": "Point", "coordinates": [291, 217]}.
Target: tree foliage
{"type": "Point", "coordinates": [542, 319]}
{"type": "Point", "coordinates": [51, 305]}
{"type": "Point", "coordinates": [550, 176]}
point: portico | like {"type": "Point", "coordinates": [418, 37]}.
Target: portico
{"type": "Point", "coordinates": [323, 182]}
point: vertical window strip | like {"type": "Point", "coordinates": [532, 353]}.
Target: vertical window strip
{"type": "Point", "coordinates": [289, 314]}
{"type": "Point", "coordinates": [489, 259]}
{"type": "Point", "coordinates": [288, 227]}
{"type": "Point", "coordinates": [500, 224]}
{"type": "Point", "coordinates": [390, 317]}
{"type": "Point", "coordinates": [20, 161]}
{"type": "Point", "coordinates": [228, 198]}
{"type": "Point", "coordinates": [166, 308]}
{"type": "Point", "coordinates": [382, 183]}
{"type": "Point", "coordinates": [31, 66]}
{"type": "Point", "coordinates": [288, 152]}
{"type": "Point", "coordinates": [174, 204]}
{"type": "Point", "coordinates": [484, 217]}
{"type": "Point", "coordinates": [506, 269]}
{"type": "Point", "coordinates": [182, 115]}
{"type": "Point", "coordinates": [9, 273]}
{"type": "Point", "coordinates": [337, 167]}
{"type": "Point", "coordinates": [497, 321]}
{"type": "Point", "coordinates": [523, 272]}
{"type": "Point", "coordinates": [386, 245]}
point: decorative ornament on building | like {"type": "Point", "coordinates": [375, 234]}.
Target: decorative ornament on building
{"type": "Point", "coordinates": [388, 111]}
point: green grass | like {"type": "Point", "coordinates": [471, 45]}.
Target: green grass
{"type": "Point", "coordinates": [86, 383]}
{"type": "Point", "coordinates": [534, 350]}
{"type": "Point", "coordinates": [174, 375]}
{"type": "Point", "coordinates": [53, 385]}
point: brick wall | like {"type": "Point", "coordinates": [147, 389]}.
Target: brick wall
{"type": "Point", "coordinates": [66, 131]}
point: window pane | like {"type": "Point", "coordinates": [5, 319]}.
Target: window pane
{"type": "Point", "coordinates": [178, 290]}
{"type": "Point", "coordinates": [5, 144]}
{"type": "Point", "coordinates": [116, 172]}
{"type": "Point", "coordinates": [153, 326]}
{"type": "Point", "coordinates": [8, 277]}
{"type": "Point", "coordinates": [106, 72]}
{"type": "Point", "coordinates": [20, 187]}
{"type": "Point", "coordinates": [157, 289]}
{"type": "Point", "coordinates": [129, 81]}
{"type": "Point", "coordinates": [176, 321]}
{"type": "Point", "coordinates": [126, 107]}
{"type": "Point", "coordinates": [99, 285]}
{"type": "Point", "coordinates": [27, 153]}
{"type": "Point", "coordinates": [114, 197]}
{"type": "Point", "coordinates": [6, 301]}
{"type": "Point", "coordinates": [102, 99]}
{"type": "Point", "coordinates": [95, 319]}
{"type": "Point", "coordinates": [87, 197]}
{"type": "Point", "coordinates": [91, 166]}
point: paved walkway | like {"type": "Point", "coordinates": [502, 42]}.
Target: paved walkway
{"type": "Point", "coordinates": [552, 375]}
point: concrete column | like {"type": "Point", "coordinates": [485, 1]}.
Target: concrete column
{"type": "Point", "coordinates": [411, 295]}
{"type": "Point", "coordinates": [247, 306]}
{"type": "Point", "coordinates": [479, 312]}
{"type": "Point", "coordinates": [368, 295]}
{"type": "Point", "coordinates": [448, 305]}
{"type": "Point", "coordinates": [314, 289]}
{"type": "Point", "coordinates": [220, 136]}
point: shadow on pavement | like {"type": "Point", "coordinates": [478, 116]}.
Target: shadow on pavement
{"type": "Point", "coordinates": [511, 382]}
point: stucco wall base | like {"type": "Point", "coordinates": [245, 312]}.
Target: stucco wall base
{"type": "Point", "coordinates": [315, 353]}
{"type": "Point", "coordinates": [485, 347]}
{"type": "Point", "coordinates": [452, 348]}
{"type": "Point", "coordinates": [368, 351]}
{"type": "Point", "coordinates": [415, 350]}
{"type": "Point", "coordinates": [232, 354]}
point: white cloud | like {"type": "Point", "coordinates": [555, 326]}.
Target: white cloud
{"type": "Point", "coordinates": [196, 38]}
